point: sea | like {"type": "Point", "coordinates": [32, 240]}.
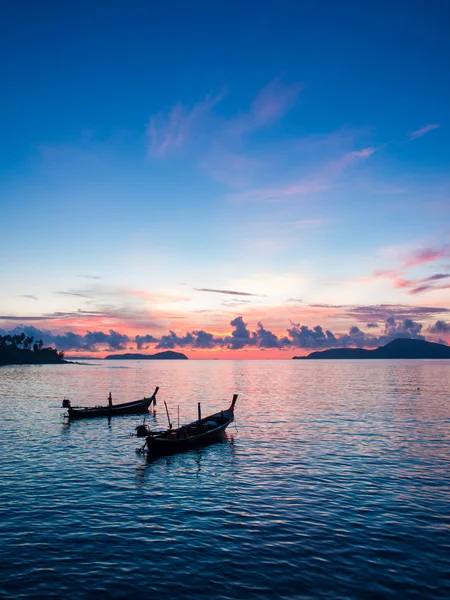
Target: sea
{"type": "Point", "coordinates": [333, 482]}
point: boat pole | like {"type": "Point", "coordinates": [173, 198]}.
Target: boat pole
{"type": "Point", "coordinates": [178, 416]}
{"type": "Point", "coordinates": [199, 412]}
{"type": "Point", "coordinates": [168, 418]}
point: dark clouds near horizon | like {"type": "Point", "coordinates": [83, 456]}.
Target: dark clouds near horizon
{"type": "Point", "coordinates": [241, 337]}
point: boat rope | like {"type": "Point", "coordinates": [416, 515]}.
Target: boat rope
{"type": "Point", "coordinates": [141, 450]}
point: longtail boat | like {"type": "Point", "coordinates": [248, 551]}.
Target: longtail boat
{"type": "Point", "coordinates": [137, 407]}
{"type": "Point", "coordinates": [198, 433]}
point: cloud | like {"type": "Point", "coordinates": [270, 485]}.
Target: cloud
{"type": "Point", "coordinates": [304, 337]}
{"type": "Point", "coordinates": [372, 325]}
{"type": "Point", "coordinates": [420, 132]}
{"type": "Point", "coordinates": [203, 339]}
{"type": "Point", "coordinates": [382, 312]}
{"type": "Point", "coordinates": [322, 180]}
{"type": "Point", "coordinates": [73, 294]}
{"type": "Point", "coordinates": [440, 327]}
{"type": "Point", "coordinates": [144, 339]}
{"type": "Point", "coordinates": [168, 132]}
{"type": "Point", "coordinates": [91, 276]}
{"type": "Point", "coordinates": [59, 315]}
{"type": "Point", "coordinates": [231, 292]}
{"type": "Point", "coordinates": [417, 258]}
{"type": "Point", "coordinates": [437, 277]}
{"type": "Point", "coordinates": [236, 302]}
{"type": "Point", "coordinates": [365, 153]}
{"type": "Point", "coordinates": [30, 296]}
{"type": "Point", "coordinates": [426, 255]}
{"type": "Point", "coordinates": [172, 340]}
{"type": "Point", "coordinates": [113, 339]}
{"type": "Point", "coordinates": [426, 285]}
{"type": "Point", "coordinates": [241, 337]}
{"type": "Point", "coordinates": [335, 167]}
{"type": "Point", "coordinates": [406, 328]}
{"type": "Point", "coordinates": [22, 318]}
{"type": "Point", "coordinates": [269, 106]}
{"type": "Point", "coordinates": [267, 339]}
{"type": "Point", "coordinates": [419, 286]}
{"type": "Point", "coordinates": [297, 188]}
{"type": "Point", "coordinates": [73, 341]}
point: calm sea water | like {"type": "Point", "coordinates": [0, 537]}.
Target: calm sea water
{"type": "Point", "coordinates": [335, 483]}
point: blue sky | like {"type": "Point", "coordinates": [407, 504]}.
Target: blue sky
{"type": "Point", "coordinates": [294, 153]}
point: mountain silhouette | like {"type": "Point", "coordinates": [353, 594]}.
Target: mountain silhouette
{"type": "Point", "coordinates": [399, 348]}
{"type": "Point", "coordinates": [166, 355]}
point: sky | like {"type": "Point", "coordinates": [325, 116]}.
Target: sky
{"type": "Point", "coordinates": [225, 179]}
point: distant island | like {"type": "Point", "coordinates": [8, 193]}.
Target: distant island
{"type": "Point", "coordinates": [167, 355]}
{"type": "Point", "coordinates": [23, 350]}
{"type": "Point", "coordinates": [399, 348]}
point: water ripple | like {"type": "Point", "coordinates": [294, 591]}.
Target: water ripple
{"type": "Point", "coordinates": [333, 484]}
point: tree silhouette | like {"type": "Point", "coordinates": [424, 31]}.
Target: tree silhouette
{"type": "Point", "coordinates": [22, 349]}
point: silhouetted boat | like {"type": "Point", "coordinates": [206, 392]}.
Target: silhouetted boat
{"type": "Point", "coordinates": [198, 433]}
{"type": "Point", "coordinates": [138, 407]}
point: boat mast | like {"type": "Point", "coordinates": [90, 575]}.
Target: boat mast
{"type": "Point", "coordinates": [168, 418]}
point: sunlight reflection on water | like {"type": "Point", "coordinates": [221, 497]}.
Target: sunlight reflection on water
{"type": "Point", "coordinates": [332, 483]}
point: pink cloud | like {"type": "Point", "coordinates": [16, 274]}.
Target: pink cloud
{"type": "Point", "coordinates": [391, 273]}
{"type": "Point", "coordinates": [170, 131]}
{"type": "Point", "coordinates": [420, 132]}
{"type": "Point", "coordinates": [417, 286]}
{"type": "Point", "coordinates": [395, 276]}
{"type": "Point", "coordinates": [272, 103]}
{"type": "Point", "coordinates": [363, 153]}
{"type": "Point", "coordinates": [399, 282]}
{"type": "Point", "coordinates": [316, 183]}
{"type": "Point", "coordinates": [335, 167]}
{"type": "Point", "coordinates": [292, 189]}
{"type": "Point", "coordinates": [426, 255]}
{"type": "Point", "coordinates": [231, 168]}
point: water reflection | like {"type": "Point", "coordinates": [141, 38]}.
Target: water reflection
{"type": "Point", "coordinates": [338, 481]}
{"type": "Point", "coordinates": [223, 449]}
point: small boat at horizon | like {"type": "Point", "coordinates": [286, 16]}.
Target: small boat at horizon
{"type": "Point", "coordinates": [137, 407]}
{"type": "Point", "coordinates": [198, 433]}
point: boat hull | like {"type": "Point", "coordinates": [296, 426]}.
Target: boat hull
{"type": "Point", "coordinates": [185, 438]}
{"type": "Point", "coordinates": [137, 407]}
{"type": "Point", "coordinates": [156, 446]}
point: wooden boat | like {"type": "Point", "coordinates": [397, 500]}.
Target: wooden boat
{"type": "Point", "coordinates": [137, 407]}
{"type": "Point", "coordinates": [198, 433]}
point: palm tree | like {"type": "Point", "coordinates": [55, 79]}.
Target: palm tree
{"type": "Point", "coordinates": [28, 342]}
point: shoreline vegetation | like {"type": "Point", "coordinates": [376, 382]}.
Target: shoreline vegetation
{"type": "Point", "coordinates": [400, 348]}
{"type": "Point", "coordinates": [24, 350]}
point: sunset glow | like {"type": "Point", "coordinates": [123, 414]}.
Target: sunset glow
{"type": "Point", "coordinates": [255, 200]}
